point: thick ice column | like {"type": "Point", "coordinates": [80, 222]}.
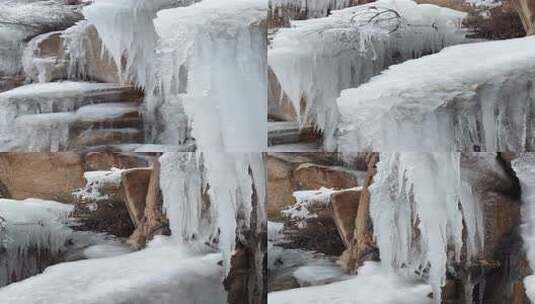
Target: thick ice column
{"type": "Point", "coordinates": [420, 190]}
{"type": "Point", "coordinates": [524, 167]}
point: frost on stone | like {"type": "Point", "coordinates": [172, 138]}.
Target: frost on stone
{"type": "Point", "coordinates": [427, 192]}
{"type": "Point", "coordinates": [316, 59]}
{"type": "Point", "coordinates": [471, 97]}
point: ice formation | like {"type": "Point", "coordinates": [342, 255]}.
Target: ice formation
{"type": "Point", "coordinates": [373, 285]}
{"type": "Point", "coordinates": [311, 8]}
{"type": "Point", "coordinates": [471, 97]}
{"type": "Point", "coordinates": [206, 60]}
{"type": "Point", "coordinates": [524, 167]}
{"type": "Point", "coordinates": [209, 196]}
{"type": "Point", "coordinates": [426, 191]}
{"type": "Point", "coordinates": [160, 273]}
{"type": "Point", "coordinates": [31, 225]}
{"type": "Point", "coordinates": [316, 59]}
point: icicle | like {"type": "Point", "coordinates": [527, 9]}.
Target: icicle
{"type": "Point", "coordinates": [524, 167]}
{"type": "Point", "coordinates": [31, 224]}
{"type": "Point", "coordinates": [422, 190]}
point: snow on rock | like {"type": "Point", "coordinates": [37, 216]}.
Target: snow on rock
{"type": "Point", "coordinates": [373, 285]}
{"type": "Point", "coordinates": [36, 117]}
{"type": "Point", "coordinates": [524, 167]}
{"type": "Point", "coordinates": [471, 97]}
{"type": "Point", "coordinates": [305, 201]}
{"type": "Point", "coordinates": [97, 181]}
{"type": "Point", "coordinates": [425, 191]}
{"type": "Point", "coordinates": [316, 59]}
{"type": "Point", "coordinates": [161, 273]}
{"type": "Point", "coordinates": [31, 224]}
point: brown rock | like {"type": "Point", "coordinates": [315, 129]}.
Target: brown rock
{"type": "Point", "coordinates": [362, 245]}
{"type": "Point", "coordinates": [135, 183]}
{"type": "Point", "coordinates": [279, 106]}
{"type": "Point", "coordinates": [153, 221]}
{"type": "Point", "coordinates": [344, 205]}
{"type": "Point", "coordinates": [313, 177]}
{"type": "Point", "coordinates": [106, 160]}
{"type": "Point", "coordinates": [279, 186]}
{"type": "Point", "coordinates": [526, 10]}
{"type": "Point", "coordinates": [51, 176]}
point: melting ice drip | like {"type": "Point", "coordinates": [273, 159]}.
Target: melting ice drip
{"type": "Point", "coordinates": [316, 59]}
{"type": "Point", "coordinates": [231, 182]}
{"type": "Point", "coordinates": [524, 167]}
{"type": "Point", "coordinates": [32, 229]}
{"type": "Point", "coordinates": [423, 191]}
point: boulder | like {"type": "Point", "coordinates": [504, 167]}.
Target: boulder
{"type": "Point", "coordinates": [20, 21]}
{"type": "Point", "coordinates": [52, 176]}
{"type": "Point", "coordinates": [344, 205]}
{"type": "Point", "coordinates": [526, 10]}
{"type": "Point", "coordinates": [134, 184]}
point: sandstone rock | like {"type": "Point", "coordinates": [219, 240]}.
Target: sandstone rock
{"type": "Point", "coordinates": [51, 176]}
{"type": "Point", "coordinates": [107, 160]}
{"type": "Point", "coordinates": [526, 10]}
{"type": "Point", "coordinates": [279, 186]}
{"type": "Point", "coordinates": [154, 221]}
{"type": "Point", "coordinates": [344, 205]}
{"type": "Point", "coordinates": [135, 183]}
{"type": "Point", "coordinates": [362, 246]}
{"type": "Point", "coordinates": [313, 177]}
{"type": "Point", "coordinates": [279, 106]}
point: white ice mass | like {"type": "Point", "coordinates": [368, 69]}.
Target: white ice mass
{"type": "Point", "coordinates": [315, 59]}
{"type": "Point", "coordinates": [524, 167]}
{"type": "Point", "coordinates": [471, 97]}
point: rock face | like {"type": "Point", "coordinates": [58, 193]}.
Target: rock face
{"type": "Point", "coordinates": [52, 176]}
{"type": "Point", "coordinates": [70, 115]}
{"type": "Point", "coordinates": [289, 172]}
{"type": "Point", "coordinates": [279, 106]}
{"type": "Point", "coordinates": [362, 247]}
{"type": "Point", "coordinates": [526, 10]}
{"type": "Point", "coordinates": [344, 205]}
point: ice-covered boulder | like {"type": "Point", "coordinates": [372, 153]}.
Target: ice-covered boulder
{"type": "Point", "coordinates": [471, 97]}
{"type": "Point", "coordinates": [22, 20]}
